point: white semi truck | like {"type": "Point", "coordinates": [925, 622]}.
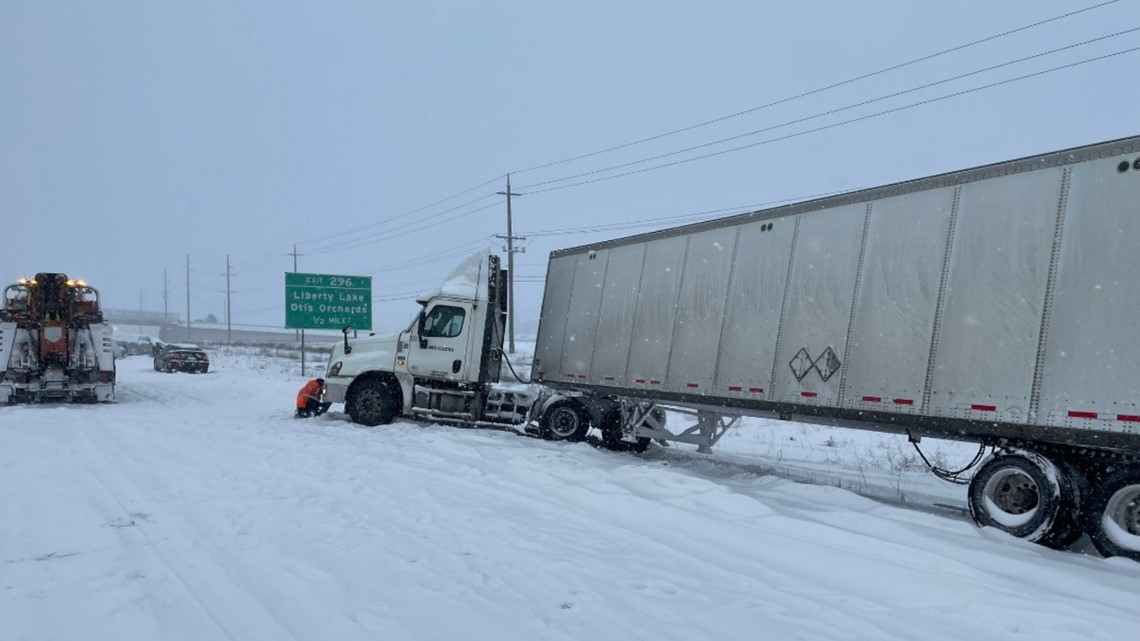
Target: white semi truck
{"type": "Point", "coordinates": [998, 305]}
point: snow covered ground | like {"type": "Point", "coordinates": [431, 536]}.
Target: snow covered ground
{"type": "Point", "coordinates": [197, 508]}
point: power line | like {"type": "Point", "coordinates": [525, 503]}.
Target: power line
{"type": "Point", "coordinates": [265, 257]}
{"type": "Point", "coordinates": [451, 252]}
{"type": "Point", "coordinates": [842, 123]}
{"type": "Point", "coordinates": [384, 235]}
{"type": "Point", "coordinates": [266, 309]}
{"type": "Point", "coordinates": [410, 213]}
{"type": "Point", "coordinates": [832, 111]}
{"type": "Point", "coordinates": [380, 234]}
{"type": "Point", "coordinates": [412, 231]}
{"type": "Point", "coordinates": [268, 261]}
{"type": "Point", "coordinates": [258, 265]}
{"type": "Point", "coordinates": [821, 89]}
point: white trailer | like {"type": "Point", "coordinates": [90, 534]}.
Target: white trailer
{"type": "Point", "coordinates": [998, 305]}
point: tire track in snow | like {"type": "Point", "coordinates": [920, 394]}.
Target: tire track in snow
{"type": "Point", "coordinates": [304, 492]}
{"type": "Point", "coordinates": [123, 513]}
{"type": "Point", "coordinates": [202, 590]}
{"type": "Point", "coordinates": [664, 522]}
{"type": "Point", "coordinates": [134, 389]}
{"type": "Point", "coordinates": [866, 539]}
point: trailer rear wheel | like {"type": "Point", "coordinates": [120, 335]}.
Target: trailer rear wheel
{"type": "Point", "coordinates": [612, 435]}
{"type": "Point", "coordinates": [1072, 517]}
{"type": "Point", "coordinates": [370, 403]}
{"type": "Point", "coordinates": [564, 420]}
{"type": "Point", "coordinates": [1028, 496]}
{"type": "Point", "coordinates": [1113, 521]}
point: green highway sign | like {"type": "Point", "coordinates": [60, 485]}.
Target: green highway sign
{"type": "Point", "coordinates": [325, 301]}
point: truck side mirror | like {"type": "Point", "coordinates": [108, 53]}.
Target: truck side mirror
{"type": "Point", "coordinates": [420, 330]}
{"type": "Point", "coordinates": [347, 347]}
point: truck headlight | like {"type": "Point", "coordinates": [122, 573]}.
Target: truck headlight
{"type": "Point", "coordinates": [334, 370]}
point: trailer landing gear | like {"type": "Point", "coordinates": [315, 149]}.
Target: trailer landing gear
{"type": "Point", "coordinates": [648, 420]}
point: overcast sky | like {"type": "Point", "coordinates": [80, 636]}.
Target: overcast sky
{"type": "Point", "coordinates": [135, 133]}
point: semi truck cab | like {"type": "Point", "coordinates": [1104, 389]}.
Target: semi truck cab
{"type": "Point", "coordinates": [441, 366]}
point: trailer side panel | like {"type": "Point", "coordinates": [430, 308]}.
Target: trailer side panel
{"type": "Point", "coordinates": [700, 312]}
{"type": "Point", "coordinates": [822, 284]}
{"type": "Point", "coordinates": [995, 297]}
{"type": "Point", "coordinates": [656, 311]}
{"type": "Point", "coordinates": [755, 296]}
{"type": "Point", "coordinates": [615, 319]}
{"type": "Point", "coordinates": [1091, 366]}
{"type": "Point", "coordinates": [582, 321]}
{"type": "Point", "coordinates": [894, 316]}
{"type": "Point", "coordinates": [552, 323]}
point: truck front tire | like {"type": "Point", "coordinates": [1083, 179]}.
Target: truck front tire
{"type": "Point", "coordinates": [370, 403]}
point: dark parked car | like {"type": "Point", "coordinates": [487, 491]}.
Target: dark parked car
{"type": "Point", "coordinates": [143, 345]}
{"type": "Point", "coordinates": [182, 357]}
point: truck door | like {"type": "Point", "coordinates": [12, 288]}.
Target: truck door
{"type": "Point", "coordinates": [438, 345]}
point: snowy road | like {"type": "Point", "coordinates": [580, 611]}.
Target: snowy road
{"type": "Point", "coordinates": [197, 508]}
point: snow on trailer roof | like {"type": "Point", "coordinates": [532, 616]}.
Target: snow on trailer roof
{"type": "Point", "coordinates": [959, 177]}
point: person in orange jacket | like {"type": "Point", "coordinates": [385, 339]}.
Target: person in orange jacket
{"type": "Point", "coordinates": [309, 399]}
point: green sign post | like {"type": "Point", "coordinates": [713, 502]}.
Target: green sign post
{"type": "Point", "coordinates": [325, 301]}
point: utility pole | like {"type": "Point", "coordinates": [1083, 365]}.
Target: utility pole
{"type": "Point", "coordinates": [511, 238]}
{"type": "Point", "coordinates": [188, 298]}
{"type": "Point", "coordinates": [295, 255]}
{"type": "Point", "coordinates": [229, 317]}
{"type": "Point", "coordinates": [140, 308]}
{"type": "Point", "coordinates": [165, 303]}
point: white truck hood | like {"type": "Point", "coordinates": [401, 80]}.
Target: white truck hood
{"type": "Point", "coordinates": [373, 352]}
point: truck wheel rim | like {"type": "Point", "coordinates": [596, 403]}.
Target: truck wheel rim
{"type": "Point", "coordinates": [1124, 509]}
{"type": "Point", "coordinates": [369, 400]}
{"type": "Point", "coordinates": [1012, 491]}
{"type": "Point", "coordinates": [564, 422]}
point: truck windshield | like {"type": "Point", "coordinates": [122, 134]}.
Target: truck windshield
{"type": "Point", "coordinates": [444, 321]}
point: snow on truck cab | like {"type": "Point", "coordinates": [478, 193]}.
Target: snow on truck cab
{"type": "Point", "coordinates": [997, 305]}
{"type": "Point", "coordinates": [54, 343]}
